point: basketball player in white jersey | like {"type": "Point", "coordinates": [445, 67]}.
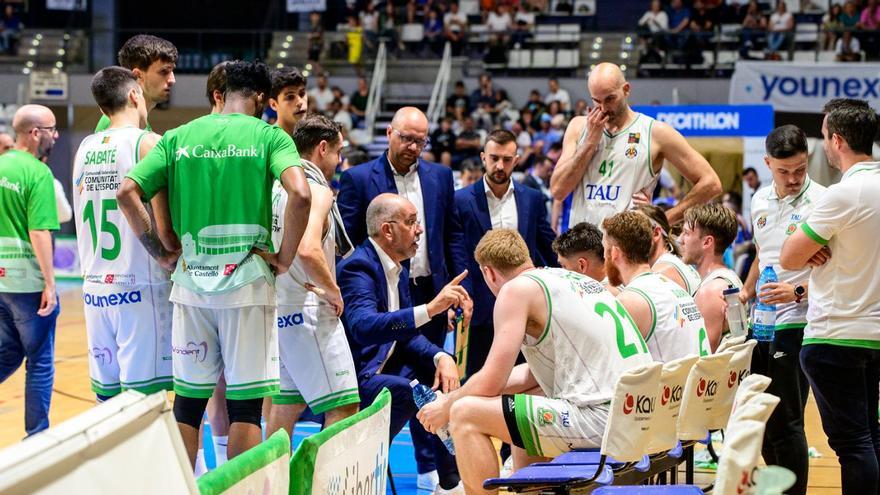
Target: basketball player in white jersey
{"type": "Point", "coordinates": [666, 315]}
{"type": "Point", "coordinates": [665, 258]}
{"type": "Point", "coordinates": [708, 230]}
{"type": "Point", "coordinates": [127, 312]}
{"type": "Point", "coordinates": [554, 316]}
{"type": "Point", "coordinates": [316, 364]}
{"type": "Point", "coordinates": [613, 156]}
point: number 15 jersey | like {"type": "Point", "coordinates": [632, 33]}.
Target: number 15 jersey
{"type": "Point", "coordinates": [110, 255]}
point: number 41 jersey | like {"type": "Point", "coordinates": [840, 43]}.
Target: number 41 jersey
{"type": "Point", "coordinates": [589, 341]}
{"type": "Point", "coordinates": [111, 257]}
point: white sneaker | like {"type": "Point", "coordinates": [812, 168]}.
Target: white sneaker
{"type": "Point", "coordinates": [507, 468]}
{"type": "Point", "coordinates": [428, 481]}
{"type": "Point", "coordinates": [455, 490]}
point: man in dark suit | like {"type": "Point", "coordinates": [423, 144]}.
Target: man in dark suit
{"type": "Point", "coordinates": [491, 203]}
{"type": "Point", "coordinates": [383, 324]}
{"type": "Point", "coordinates": [430, 188]}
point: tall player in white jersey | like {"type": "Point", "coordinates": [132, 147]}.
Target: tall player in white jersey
{"type": "Point", "coordinates": [708, 230]}
{"type": "Point", "coordinates": [316, 363]}
{"type": "Point", "coordinates": [611, 158]}
{"type": "Point", "coordinates": [577, 340]}
{"type": "Point", "coordinates": [665, 258]}
{"type": "Point", "coordinates": [666, 315]}
{"type": "Point", "coordinates": [127, 312]}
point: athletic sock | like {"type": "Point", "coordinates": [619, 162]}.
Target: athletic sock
{"type": "Point", "coordinates": [201, 467]}
{"type": "Point", "coordinates": [220, 449]}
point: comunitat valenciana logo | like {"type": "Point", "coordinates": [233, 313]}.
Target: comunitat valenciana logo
{"type": "Point", "coordinates": [230, 151]}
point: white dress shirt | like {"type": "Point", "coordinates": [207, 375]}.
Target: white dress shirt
{"type": "Point", "coordinates": [409, 186]}
{"type": "Point", "coordinates": [502, 211]}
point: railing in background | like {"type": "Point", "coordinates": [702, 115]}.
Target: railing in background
{"type": "Point", "coordinates": [374, 99]}
{"type": "Point", "coordinates": [438, 94]}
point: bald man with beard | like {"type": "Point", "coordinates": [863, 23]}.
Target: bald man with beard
{"type": "Point", "coordinates": [611, 158]}
{"type": "Point", "coordinates": [440, 254]}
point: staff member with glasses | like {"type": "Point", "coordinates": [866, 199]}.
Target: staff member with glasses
{"type": "Point", "coordinates": [440, 254]}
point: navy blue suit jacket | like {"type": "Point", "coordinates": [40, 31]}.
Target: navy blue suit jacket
{"type": "Point", "coordinates": [369, 326]}
{"type": "Point", "coordinates": [532, 224]}
{"type": "Point", "coordinates": [360, 184]}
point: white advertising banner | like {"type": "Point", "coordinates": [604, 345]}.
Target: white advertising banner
{"type": "Point", "coordinates": [306, 6]}
{"type": "Point", "coordinates": [803, 87]}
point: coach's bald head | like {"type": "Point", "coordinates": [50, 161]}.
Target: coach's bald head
{"type": "Point", "coordinates": [407, 137]}
{"type": "Point", "coordinates": [609, 91]}
{"type": "Point", "coordinates": [393, 223]}
{"type": "Point", "coordinates": [35, 129]}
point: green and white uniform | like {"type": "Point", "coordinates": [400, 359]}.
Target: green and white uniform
{"type": "Point", "coordinates": [678, 329]}
{"type": "Point", "coordinates": [725, 274]}
{"type": "Point", "coordinates": [688, 273]}
{"type": "Point", "coordinates": [844, 293]}
{"type": "Point", "coordinates": [620, 168]}
{"type": "Point", "coordinates": [589, 342]}
{"type": "Point", "coordinates": [125, 291]}
{"type": "Point", "coordinates": [27, 202]}
{"type": "Point", "coordinates": [316, 364]}
{"type": "Point", "coordinates": [773, 220]}
{"type": "Point", "coordinates": [219, 171]}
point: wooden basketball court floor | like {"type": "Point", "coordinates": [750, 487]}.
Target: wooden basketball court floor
{"type": "Point", "coordinates": [72, 395]}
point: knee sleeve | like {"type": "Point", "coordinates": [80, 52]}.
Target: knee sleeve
{"type": "Point", "coordinates": [189, 411]}
{"type": "Point", "coordinates": [245, 411]}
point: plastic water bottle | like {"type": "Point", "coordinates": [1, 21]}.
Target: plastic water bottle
{"type": "Point", "coordinates": [423, 395]}
{"type": "Point", "coordinates": [736, 313]}
{"type": "Point", "coordinates": [764, 324]}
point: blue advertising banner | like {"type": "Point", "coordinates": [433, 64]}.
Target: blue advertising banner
{"type": "Point", "coordinates": [714, 120]}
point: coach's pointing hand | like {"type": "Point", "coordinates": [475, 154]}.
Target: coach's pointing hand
{"type": "Point", "coordinates": [452, 295]}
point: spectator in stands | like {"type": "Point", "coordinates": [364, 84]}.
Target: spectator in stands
{"type": "Point", "coordinates": [702, 24]}
{"type": "Point", "coordinates": [550, 132]}
{"type": "Point", "coordinates": [322, 94]}
{"type": "Point", "coordinates": [527, 121]}
{"type": "Point", "coordinates": [499, 21]}
{"type": "Point", "coordinates": [504, 110]}
{"type": "Point", "coordinates": [554, 108]}
{"type": "Point", "coordinates": [539, 178]}
{"type": "Point", "coordinates": [471, 171]}
{"type": "Point", "coordinates": [469, 142]}
{"type": "Point", "coordinates": [654, 20]}
{"type": "Point", "coordinates": [780, 30]}
{"type": "Point", "coordinates": [535, 106]}
{"type": "Point", "coordinates": [679, 23]}
{"type": "Point", "coordinates": [443, 143]}
{"type": "Point", "coordinates": [753, 26]}
{"type": "Point", "coordinates": [10, 30]}
{"type": "Point", "coordinates": [750, 176]}
{"type": "Point", "coordinates": [848, 48]}
{"type": "Point", "coordinates": [870, 18]}
{"type": "Point", "coordinates": [339, 95]}
{"type": "Point", "coordinates": [557, 94]}
{"type": "Point", "coordinates": [388, 27]}
{"type": "Point", "coordinates": [743, 242]}
{"type": "Point", "coordinates": [370, 24]}
{"type": "Point", "coordinates": [580, 108]}
{"type": "Point", "coordinates": [523, 144]}
{"type": "Point", "coordinates": [337, 111]}
{"type": "Point", "coordinates": [455, 24]}
{"type": "Point", "coordinates": [555, 151]}
{"type": "Point", "coordinates": [357, 103]}
{"type": "Point", "coordinates": [434, 33]}
{"type": "Point", "coordinates": [485, 93]}
{"type": "Point", "coordinates": [850, 16]}
{"type": "Point", "coordinates": [354, 37]}
{"type": "Point", "coordinates": [484, 117]}
{"type": "Point", "coordinates": [458, 104]}
{"type": "Point", "coordinates": [316, 40]}
{"type": "Point", "coordinates": [524, 22]}
{"type": "Point", "coordinates": [831, 27]}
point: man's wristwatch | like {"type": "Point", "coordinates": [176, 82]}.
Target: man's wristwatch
{"type": "Point", "coordinates": [799, 293]}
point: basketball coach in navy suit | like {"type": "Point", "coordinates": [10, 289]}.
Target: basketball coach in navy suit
{"type": "Point", "coordinates": [383, 324]}
{"type": "Point", "coordinates": [496, 202]}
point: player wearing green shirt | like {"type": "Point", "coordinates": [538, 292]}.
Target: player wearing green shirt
{"type": "Point", "coordinates": [152, 59]}
{"type": "Point", "coordinates": [28, 302]}
{"type": "Point", "coordinates": [219, 170]}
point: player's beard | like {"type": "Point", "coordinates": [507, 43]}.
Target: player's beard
{"type": "Point", "coordinates": [613, 274]}
{"type": "Point", "coordinates": [499, 177]}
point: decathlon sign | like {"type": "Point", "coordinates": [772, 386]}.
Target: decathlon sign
{"type": "Point", "coordinates": [714, 120]}
{"type": "Point", "coordinates": [796, 87]}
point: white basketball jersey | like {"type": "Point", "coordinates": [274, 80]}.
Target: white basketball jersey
{"type": "Point", "coordinates": [289, 288]}
{"type": "Point", "coordinates": [589, 340]}
{"type": "Point", "coordinates": [679, 329]}
{"type": "Point", "coordinates": [110, 255]}
{"type": "Point", "coordinates": [725, 274]}
{"type": "Point", "coordinates": [688, 273]}
{"type": "Point", "coordinates": [620, 168]}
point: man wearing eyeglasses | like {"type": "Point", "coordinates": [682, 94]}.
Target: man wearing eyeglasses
{"type": "Point", "coordinates": [441, 253]}
{"type": "Point", "coordinates": [28, 302]}
{"type": "Point", "coordinates": [384, 325]}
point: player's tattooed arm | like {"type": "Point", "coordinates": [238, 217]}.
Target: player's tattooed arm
{"type": "Point", "coordinates": [142, 223]}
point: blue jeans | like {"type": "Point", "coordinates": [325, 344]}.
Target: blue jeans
{"type": "Point", "coordinates": [24, 334]}
{"type": "Point", "coordinates": [844, 381]}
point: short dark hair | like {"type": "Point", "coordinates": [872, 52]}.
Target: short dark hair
{"type": "Point", "coordinates": [750, 170]}
{"type": "Point", "coordinates": [110, 88]}
{"type": "Point", "coordinates": [785, 141]}
{"type": "Point", "coordinates": [216, 81]}
{"type": "Point", "coordinates": [469, 165]}
{"type": "Point", "coordinates": [285, 77]}
{"type": "Point", "coordinates": [631, 231]}
{"type": "Point", "coordinates": [142, 50]}
{"type": "Point", "coordinates": [311, 130]}
{"type": "Point", "coordinates": [356, 156]}
{"type": "Point", "coordinates": [582, 238]}
{"type": "Point", "coordinates": [853, 120]}
{"type": "Point", "coordinates": [247, 78]}
{"type": "Point", "coordinates": [501, 136]}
